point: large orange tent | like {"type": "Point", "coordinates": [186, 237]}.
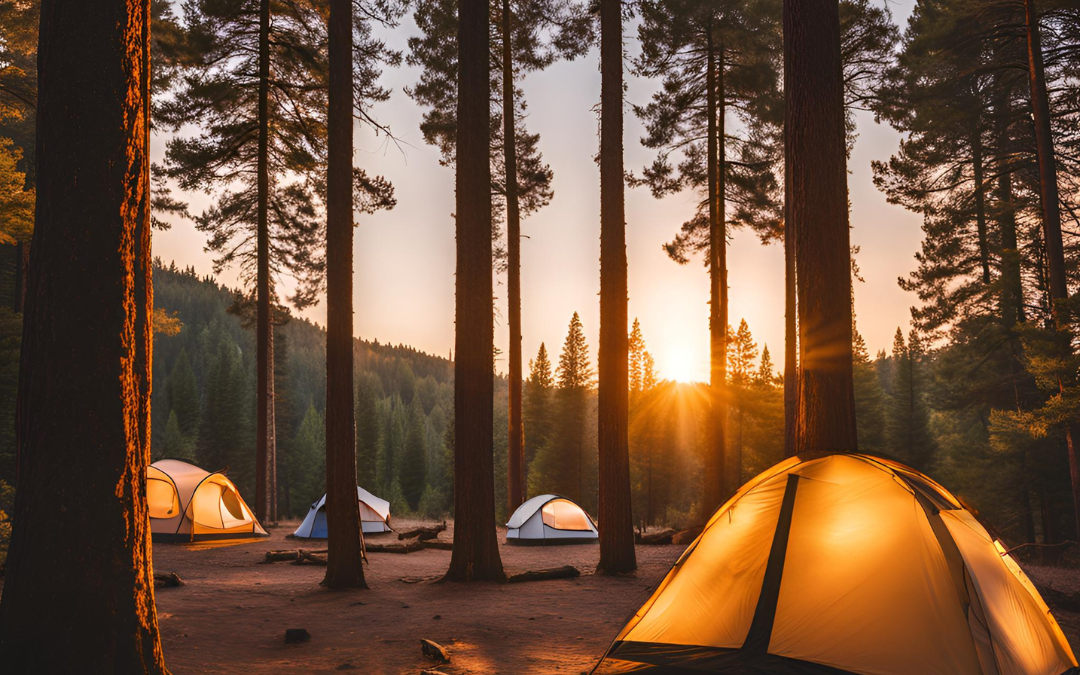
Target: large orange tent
{"type": "Point", "coordinates": [839, 565]}
{"type": "Point", "coordinates": [190, 504]}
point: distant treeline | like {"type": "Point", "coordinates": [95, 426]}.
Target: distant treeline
{"type": "Point", "coordinates": [204, 404]}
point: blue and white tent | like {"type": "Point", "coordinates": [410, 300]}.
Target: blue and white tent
{"type": "Point", "coordinates": [548, 520]}
{"type": "Point", "coordinates": [374, 516]}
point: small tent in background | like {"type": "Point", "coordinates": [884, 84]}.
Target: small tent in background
{"type": "Point", "coordinates": [550, 519]}
{"type": "Point", "coordinates": [839, 565]}
{"type": "Point", "coordinates": [374, 516]}
{"type": "Point", "coordinates": [190, 504]}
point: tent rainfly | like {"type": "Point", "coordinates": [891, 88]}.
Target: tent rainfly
{"type": "Point", "coordinates": [548, 520]}
{"type": "Point", "coordinates": [374, 516]}
{"type": "Point", "coordinates": [843, 565]}
{"type": "Point", "coordinates": [189, 504]}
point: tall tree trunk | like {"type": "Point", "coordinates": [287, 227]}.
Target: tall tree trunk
{"type": "Point", "coordinates": [79, 594]}
{"type": "Point", "coordinates": [980, 202]}
{"type": "Point", "coordinates": [345, 567]}
{"type": "Point", "coordinates": [515, 465]}
{"type": "Point", "coordinates": [17, 298]}
{"type": "Point", "coordinates": [816, 157]}
{"type": "Point", "coordinates": [271, 430]}
{"type": "Point", "coordinates": [791, 340]}
{"type": "Point", "coordinates": [616, 517]}
{"type": "Point", "coordinates": [476, 548]}
{"type": "Point", "coordinates": [1051, 217]}
{"type": "Point", "coordinates": [717, 482]}
{"type": "Point", "coordinates": [1012, 288]}
{"type": "Point", "coordinates": [263, 354]}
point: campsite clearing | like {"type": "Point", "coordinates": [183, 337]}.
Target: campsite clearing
{"type": "Point", "coordinates": [231, 614]}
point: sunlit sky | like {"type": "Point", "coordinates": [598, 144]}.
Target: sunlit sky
{"type": "Point", "coordinates": [404, 258]}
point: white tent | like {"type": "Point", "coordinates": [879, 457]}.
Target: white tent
{"type": "Point", "coordinates": [550, 519]}
{"type": "Point", "coordinates": [374, 516]}
{"type": "Point", "coordinates": [188, 504]}
{"type": "Point", "coordinates": [843, 565]}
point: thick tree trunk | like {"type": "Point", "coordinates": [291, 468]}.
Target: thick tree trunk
{"type": "Point", "coordinates": [980, 202]}
{"type": "Point", "coordinates": [616, 518]}
{"type": "Point", "coordinates": [515, 465]}
{"type": "Point", "coordinates": [345, 567]}
{"type": "Point", "coordinates": [263, 355]}
{"type": "Point", "coordinates": [791, 340]}
{"type": "Point", "coordinates": [717, 481]}
{"type": "Point", "coordinates": [79, 592]}
{"type": "Point", "coordinates": [1051, 218]}
{"type": "Point", "coordinates": [816, 157]}
{"type": "Point", "coordinates": [476, 547]}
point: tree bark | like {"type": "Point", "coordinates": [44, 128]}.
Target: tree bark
{"type": "Point", "coordinates": [717, 481]}
{"type": "Point", "coordinates": [816, 157]}
{"type": "Point", "coordinates": [263, 355]}
{"type": "Point", "coordinates": [791, 340]}
{"type": "Point", "coordinates": [515, 465]}
{"type": "Point", "coordinates": [616, 517]}
{"type": "Point", "coordinates": [1051, 219]}
{"type": "Point", "coordinates": [1012, 289]}
{"type": "Point", "coordinates": [79, 592]}
{"type": "Point", "coordinates": [345, 567]}
{"type": "Point", "coordinates": [980, 202]}
{"type": "Point", "coordinates": [476, 548]}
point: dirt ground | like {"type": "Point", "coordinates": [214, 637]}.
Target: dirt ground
{"type": "Point", "coordinates": [232, 612]}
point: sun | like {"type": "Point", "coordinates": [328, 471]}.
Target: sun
{"type": "Point", "coordinates": [678, 365]}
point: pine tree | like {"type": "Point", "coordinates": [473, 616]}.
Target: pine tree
{"type": "Point", "coordinates": [476, 550]}
{"type": "Point", "coordinates": [575, 370]}
{"type": "Point", "coordinates": [907, 425]}
{"type": "Point", "coordinates": [274, 138]}
{"type": "Point", "coordinates": [637, 358]}
{"type": "Point", "coordinates": [368, 432]}
{"type": "Point", "coordinates": [307, 462]}
{"type": "Point", "coordinates": [92, 267]}
{"type": "Point", "coordinates": [713, 56]}
{"type": "Point", "coordinates": [869, 403]}
{"type": "Point", "coordinates": [817, 211]}
{"type": "Point", "coordinates": [414, 457]}
{"type": "Point", "coordinates": [765, 374]}
{"type": "Point", "coordinates": [537, 409]}
{"type": "Point", "coordinates": [16, 202]}
{"type": "Point", "coordinates": [527, 36]}
{"type": "Point", "coordinates": [183, 393]}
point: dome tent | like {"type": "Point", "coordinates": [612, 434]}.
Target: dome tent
{"type": "Point", "coordinates": [550, 519]}
{"type": "Point", "coordinates": [374, 516]}
{"type": "Point", "coordinates": [837, 565]}
{"type": "Point", "coordinates": [190, 504]}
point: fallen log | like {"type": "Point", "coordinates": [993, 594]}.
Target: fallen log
{"type": "Point", "coordinates": [423, 533]}
{"type": "Point", "coordinates": [408, 547]}
{"type": "Point", "coordinates": [439, 545]}
{"type": "Point", "coordinates": [686, 537]}
{"type": "Point", "coordinates": [278, 556]}
{"type": "Point", "coordinates": [661, 538]}
{"type": "Point", "coordinates": [167, 580]}
{"type": "Point", "coordinates": [310, 558]}
{"type": "Point", "coordinates": [565, 572]}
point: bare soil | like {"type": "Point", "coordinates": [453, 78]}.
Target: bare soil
{"type": "Point", "coordinates": [232, 612]}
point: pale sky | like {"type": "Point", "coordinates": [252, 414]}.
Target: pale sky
{"type": "Point", "coordinates": [404, 258]}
